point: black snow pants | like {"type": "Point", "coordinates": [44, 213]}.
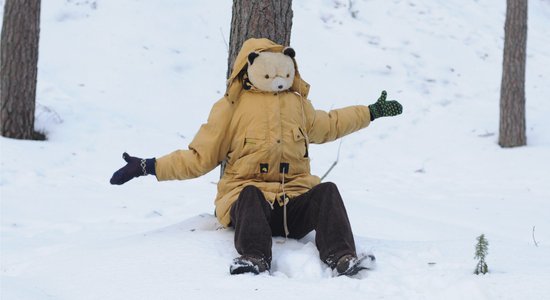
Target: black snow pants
{"type": "Point", "coordinates": [320, 209]}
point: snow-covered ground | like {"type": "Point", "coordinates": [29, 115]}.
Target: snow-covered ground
{"type": "Point", "coordinates": [141, 76]}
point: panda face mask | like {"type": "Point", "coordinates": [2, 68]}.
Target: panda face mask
{"type": "Point", "coordinates": [271, 71]}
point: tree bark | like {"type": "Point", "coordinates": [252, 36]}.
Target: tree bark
{"type": "Point", "coordinates": [18, 68]}
{"type": "Point", "coordinates": [270, 19]}
{"type": "Point", "coordinates": [512, 89]}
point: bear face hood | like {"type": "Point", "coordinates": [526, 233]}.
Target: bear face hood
{"type": "Point", "coordinates": [270, 71]}
{"type": "Point", "coordinates": [235, 86]}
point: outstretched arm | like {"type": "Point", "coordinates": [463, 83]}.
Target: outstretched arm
{"type": "Point", "coordinates": [328, 126]}
{"type": "Point", "coordinates": [208, 148]}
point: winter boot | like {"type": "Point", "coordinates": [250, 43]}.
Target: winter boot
{"type": "Point", "coordinates": [350, 265]}
{"type": "Point", "coordinates": [248, 264]}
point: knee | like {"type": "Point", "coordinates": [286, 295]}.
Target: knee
{"type": "Point", "coordinates": [251, 199]}
{"type": "Point", "coordinates": [328, 194]}
{"type": "Point", "coordinates": [250, 189]}
{"type": "Point", "coordinates": [252, 196]}
{"type": "Point", "coordinates": [328, 187]}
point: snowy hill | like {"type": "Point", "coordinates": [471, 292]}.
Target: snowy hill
{"type": "Point", "coordinates": [141, 76]}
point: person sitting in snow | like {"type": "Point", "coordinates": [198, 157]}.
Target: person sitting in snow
{"type": "Point", "coordinates": [261, 129]}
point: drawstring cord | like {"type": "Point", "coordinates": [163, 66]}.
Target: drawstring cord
{"type": "Point", "coordinates": [285, 224]}
{"type": "Point", "coordinates": [285, 200]}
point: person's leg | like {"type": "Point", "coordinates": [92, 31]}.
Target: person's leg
{"type": "Point", "coordinates": [250, 216]}
{"type": "Point", "coordinates": [322, 209]}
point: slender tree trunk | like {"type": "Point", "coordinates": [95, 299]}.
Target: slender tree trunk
{"type": "Point", "coordinates": [512, 89]}
{"type": "Point", "coordinates": [18, 68]}
{"type": "Point", "coordinates": [270, 19]}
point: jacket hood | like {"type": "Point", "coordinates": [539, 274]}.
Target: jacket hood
{"type": "Point", "coordinates": [235, 86]}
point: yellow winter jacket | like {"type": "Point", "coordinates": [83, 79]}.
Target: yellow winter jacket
{"type": "Point", "coordinates": [262, 136]}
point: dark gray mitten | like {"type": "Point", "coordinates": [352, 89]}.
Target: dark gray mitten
{"type": "Point", "coordinates": [383, 108]}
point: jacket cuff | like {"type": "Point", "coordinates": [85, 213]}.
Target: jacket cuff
{"type": "Point", "coordinates": [371, 108]}
{"type": "Point", "coordinates": [150, 166]}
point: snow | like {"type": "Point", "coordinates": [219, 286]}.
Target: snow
{"type": "Point", "coordinates": [141, 76]}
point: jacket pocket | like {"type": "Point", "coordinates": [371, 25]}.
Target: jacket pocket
{"type": "Point", "coordinates": [300, 137]}
{"type": "Point", "coordinates": [250, 141]}
{"type": "Point", "coordinates": [246, 158]}
{"type": "Point", "coordinates": [254, 140]}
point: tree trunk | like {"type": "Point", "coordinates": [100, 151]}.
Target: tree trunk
{"type": "Point", "coordinates": [18, 68]}
{"type": "Point", "coordinates": [512, 89]}
{"type": "Point", "coordinates": [270, 19]}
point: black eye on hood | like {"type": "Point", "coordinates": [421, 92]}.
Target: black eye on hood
{"type": "Point", "coordinates": [266, 76]}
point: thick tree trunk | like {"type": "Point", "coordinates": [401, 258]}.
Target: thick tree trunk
{"type": "Point", "coordinates": [512, 90]}
{"type": "Point", "coordinates": [18, 68]}
{"type": "Point", "coordinates": [270, 19]}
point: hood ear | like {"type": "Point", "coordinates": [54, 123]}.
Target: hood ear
{"type": "Point", "coordinates": [289, 52]}
{"type": "Point", "coordinates": [252, 56]}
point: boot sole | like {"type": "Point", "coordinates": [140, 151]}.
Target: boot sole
{"type": "Point", "coordinates": [356, 268]}
{"type": "Point", "coordinates": [243, 269]}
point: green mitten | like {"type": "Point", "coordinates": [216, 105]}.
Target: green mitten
{"type": "Point", "coordinates": [383, 108]}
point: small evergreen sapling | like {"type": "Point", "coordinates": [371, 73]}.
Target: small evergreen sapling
{"type": "Point", "coordinates": [482, 248]}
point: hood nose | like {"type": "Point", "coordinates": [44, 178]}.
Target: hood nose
{"type": "Point", "coordinates": [278, 84]}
